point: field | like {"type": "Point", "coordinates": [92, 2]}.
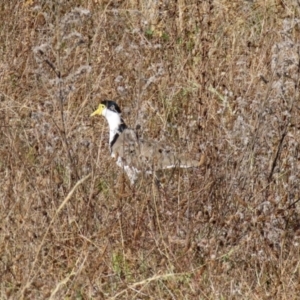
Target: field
{"type": "Point", "coordinates": [218, 79]}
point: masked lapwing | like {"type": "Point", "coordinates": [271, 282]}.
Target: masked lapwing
{"type": "Point", "coordinates": [135, 155]}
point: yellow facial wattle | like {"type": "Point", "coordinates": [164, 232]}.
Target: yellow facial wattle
{"type": "Point", "coordinates": [98, 111]}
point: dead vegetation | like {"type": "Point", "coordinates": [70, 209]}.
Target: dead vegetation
{"type": "Point", "coordinates": [219, 78]}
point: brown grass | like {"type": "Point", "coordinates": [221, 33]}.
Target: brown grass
{"type": "Point", "coordinates": [216, 78]}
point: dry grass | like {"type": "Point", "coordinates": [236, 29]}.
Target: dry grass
{"type": "Point", "coordinates": [219, 78]}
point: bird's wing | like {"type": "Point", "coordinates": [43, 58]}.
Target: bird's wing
{"type": "Point", "coordinates": [146, 156]}
{"type": "Point", "coordinates": [163, 158]}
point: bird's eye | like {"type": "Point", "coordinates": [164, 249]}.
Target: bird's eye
{"type": "Point", "coordinates": [112, 108]}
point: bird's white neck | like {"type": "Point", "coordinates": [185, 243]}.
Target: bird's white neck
{"type": "Point", "coordinates": [114, 122]}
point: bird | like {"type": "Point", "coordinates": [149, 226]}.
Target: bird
{"type": "Point", "coordinates": [136, 155]}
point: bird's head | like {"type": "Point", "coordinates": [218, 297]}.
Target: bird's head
{"type": "Point", "coordinates": [107, 106]}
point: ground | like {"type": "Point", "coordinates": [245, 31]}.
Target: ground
{"type": "Point", "coordinates": [217, 79]}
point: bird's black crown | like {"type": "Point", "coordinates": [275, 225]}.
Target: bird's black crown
{"type": "Point", "coordinates": [112, 105]}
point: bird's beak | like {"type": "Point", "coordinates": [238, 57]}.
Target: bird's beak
{"type": "Point", "coordinates": [98, 111]}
